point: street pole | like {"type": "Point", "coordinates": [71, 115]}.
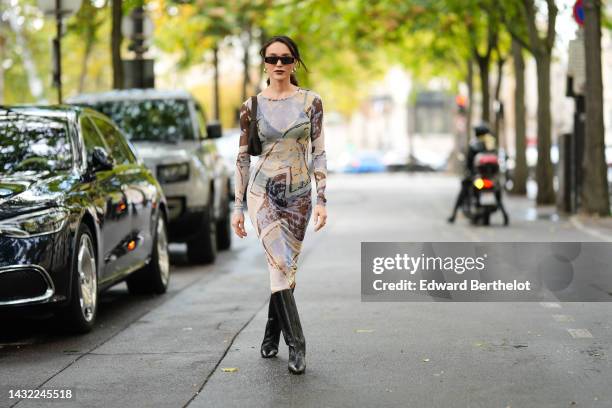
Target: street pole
{"type": "Point", "coordinates": [138, 46]}
{"type": "Point", "coordinates": [216, 82]}
{"type": "Point", "coordinates": [59, 9]}
{"type": "Point", "coordinates": [57, 49]}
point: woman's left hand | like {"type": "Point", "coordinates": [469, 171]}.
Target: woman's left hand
{"type": "Point", "coordinates": [320, 217]}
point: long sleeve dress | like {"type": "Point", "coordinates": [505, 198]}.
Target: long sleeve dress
{"type": "Point", "coordinates": [278, 189]}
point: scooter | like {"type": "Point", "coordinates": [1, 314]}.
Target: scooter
{"type": "Point", "coordinates": [484, 194]}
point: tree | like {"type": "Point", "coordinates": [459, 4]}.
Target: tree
{"type": "Point", "coordinates": [595, 196]}
{"type": "Point", "coordinates": [116, 39]}
{"type": "Point", "coordinates": [519, 185]}
{"type": "Point", "coordinates": [520, 16]}
{"type": "Point", "coordinates": [3, 36]}
{"type": "Point", "coordinates": [21, 48]}
{"type": "Point", "coordinates": [483, 60]}
{"type": "Point", "coordinates": [86, 25]}
{"type": "Point", "coordinates": [196, 29]}
{"type": "Point", "coordinates": [499, 113]}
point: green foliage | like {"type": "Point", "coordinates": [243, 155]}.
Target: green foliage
{"type": "Point", "coordinates": [345, 44]}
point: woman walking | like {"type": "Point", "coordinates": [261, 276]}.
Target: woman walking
{"type": "Point", "coordinates": [278, 190]}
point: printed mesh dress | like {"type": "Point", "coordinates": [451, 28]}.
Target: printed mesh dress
{"type": "Point", "coordinates": [278, 188]}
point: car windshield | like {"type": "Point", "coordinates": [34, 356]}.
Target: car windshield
{"type": "Point", "coordinates": [155, 120]}
{"type": "Point", "coordinates": [33, 143]}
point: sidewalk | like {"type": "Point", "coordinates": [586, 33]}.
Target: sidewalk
{"type": "Point", "coordinates": [418, 354]}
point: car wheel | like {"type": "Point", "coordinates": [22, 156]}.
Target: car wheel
{"type": "Point", "coordinates": [155, 276]}
{"type": "Point", "coordinates": [224, 227]}
{"type": "Point", "coordinates": [80, 313]}
{"type": "Point", "coordinates": [203, 248]}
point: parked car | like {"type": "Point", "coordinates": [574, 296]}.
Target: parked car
{"type": "Point", "coordinates": [228, 148]}
{"type": "Point", "coordinates": [170, 133]}
{"type": "Point", "coordinates": [364, 161]}
{"type": "Point", "coordinates": [78, 213]}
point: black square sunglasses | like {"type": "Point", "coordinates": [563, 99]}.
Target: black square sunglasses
{"type": "Point", "coordinates": [283, 60]}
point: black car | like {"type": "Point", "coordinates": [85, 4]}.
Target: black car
{"type": "Point", "coordinates": [79, 212]}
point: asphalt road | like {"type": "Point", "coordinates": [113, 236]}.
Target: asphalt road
{"type": "Point", "coordinates": [198, 345]}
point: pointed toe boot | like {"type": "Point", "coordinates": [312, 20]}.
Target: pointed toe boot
{"type": "Point", "coordinates": [289, 319]}
{"type": "Point", "coordinates": [269, 345]}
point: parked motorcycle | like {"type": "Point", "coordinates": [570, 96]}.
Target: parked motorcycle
{"type": "Point", "coordinates": [484, 194]}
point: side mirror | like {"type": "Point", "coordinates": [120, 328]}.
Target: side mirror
{"type": "Point", "coordinates": [214, 130]}
{"type": "Point", "coordinates": [100, 160]}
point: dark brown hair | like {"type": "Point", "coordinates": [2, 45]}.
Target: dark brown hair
{"type": "Point", "coordinates": [293, 48]}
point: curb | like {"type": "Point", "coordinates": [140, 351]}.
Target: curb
{"type": "Point", "coordinates": [574, 219]}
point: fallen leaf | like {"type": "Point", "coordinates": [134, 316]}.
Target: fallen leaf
{"type": "Point", "coordinates": [229, 369]}
{"type": "Point", "coordinates": [364, 330]}
{"type": "Point", "coordinates": [425, 359]}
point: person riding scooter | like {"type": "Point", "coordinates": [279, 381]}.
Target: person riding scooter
{"type": "Point", "coordinates": [482, 142]}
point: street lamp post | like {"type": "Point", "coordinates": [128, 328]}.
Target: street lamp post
{"type": "Point", "coordinates": [60, 9]}
{"type": "Point", "coordinates": [138, 27]}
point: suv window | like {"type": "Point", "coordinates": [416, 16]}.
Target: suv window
{"type": "Point", "coordinates": [114, 139]}
{"type": "Point", "coordinates": [155, 120]}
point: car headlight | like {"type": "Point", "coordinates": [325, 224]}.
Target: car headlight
{"type": "Point", "coordinates": [170, 173]}
{"type": "Point", "coordinates": [34, 224]}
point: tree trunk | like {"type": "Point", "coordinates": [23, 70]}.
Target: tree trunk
{"type": "Point", "coordinates": [519, 185]}
{"type": "Point", "coordinates": [498, 113]}
{"type": "Point", "coordinates": [470, 85]}
{"type": "Point", "coordinates": [483, 71]}
{"type": "Point", "coordinates": [2, 48]}
{"type": "Point", "coordinates": [595, 196]}
{"type": "Point", "coordinates": [263, 37]}
{"type": "Point", "coordinates": [216, 81]}
{"type": "Point", "coordinates": [246, 80]}
{"type": "Point", "coordinates": [34, 82]}
{"type": "Point", "coordinates": [89, 42]}
{"type": "Point", "coordinates": [544, 171]}
{"type": "Point", "coordinates": [116, 38]}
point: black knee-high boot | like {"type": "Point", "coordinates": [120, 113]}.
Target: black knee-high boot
{"type": "Point", "coordinates": [289, 319]}
{"type": "Point", "coordinates": [269, 346]}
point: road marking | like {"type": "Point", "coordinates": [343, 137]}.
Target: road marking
{"type": "Point", "coordinates": [550, 305]}
{"type": "Point", "coordinates": [563, 318]}
{"type": "Point", "coordinates": [580, 333]}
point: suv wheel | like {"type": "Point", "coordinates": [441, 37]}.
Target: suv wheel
{"type": "Point", "coordinates": [203, 248]}
{"type": "Point", "coordinates": [224, 226]}
{"type": "Point", "coordinates": [155, 276]}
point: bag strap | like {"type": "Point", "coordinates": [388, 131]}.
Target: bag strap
{"type": "Point", "coordinates": [254, 107]}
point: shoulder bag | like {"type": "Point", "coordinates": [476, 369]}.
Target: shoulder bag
{"type": "Point", "coordinates": [254, 148]}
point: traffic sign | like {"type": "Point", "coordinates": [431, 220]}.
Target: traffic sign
{"type": "Point", "coordinates": [579, 12]}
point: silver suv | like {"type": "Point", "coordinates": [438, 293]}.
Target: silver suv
{"type": "Point", "coordinates": [169, 131]}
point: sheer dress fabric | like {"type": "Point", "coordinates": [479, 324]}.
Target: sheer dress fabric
{"type": "Point", "coordinates": [278, 188]}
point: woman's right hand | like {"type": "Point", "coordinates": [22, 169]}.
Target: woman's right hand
{"type": "Point", "coordinates": [238, 224]}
